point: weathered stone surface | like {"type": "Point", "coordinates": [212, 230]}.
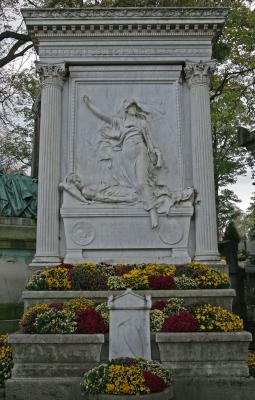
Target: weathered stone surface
{"type": "Point", "coordinates": [166, 395]}
{"type": "Point", "coordinates": [55, 355]}
{"type": "Point", "coordinates": [221, 297]}
{"type": "Point", "coordinates": [129, 334]}
{"type": "Point", "coordinates": [205, 354]}
{"type": "Point", "coordinates": [198, 388]}
{"type": "Point", "coordinates": [65, 389]}
{"type": "Point", "coordinates": [2, 394]}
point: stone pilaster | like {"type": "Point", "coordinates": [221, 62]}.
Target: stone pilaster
{"type": "Point", "coordinates": [197, 75]}
{"type": "Point", "coordinates": [47, 246]}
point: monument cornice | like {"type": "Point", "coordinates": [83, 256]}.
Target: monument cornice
{"type": "Point", "coordinates": [122, 22]}
{"type": "Point", "coordinates": [127, 12]}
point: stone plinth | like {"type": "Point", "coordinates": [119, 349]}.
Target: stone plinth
{"type": "Point", "coordinates": [129, 334]}
{"type": "Point", "coordinates": [221, 297]}
{"type": "Point", "coordinates": [205, 354]}
{"type": "Point", "coordinates": [49, 356]}
{"type": "Point", "coordinates": [166, 395]}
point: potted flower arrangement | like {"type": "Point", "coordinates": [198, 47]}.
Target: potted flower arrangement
{"type": "Point", "coordinates": [126, 379]}
{"type": "Point", "coordinates": [207, 335]}
{"type": "Point", "coordinates": [6, 363]}
{"type": "Point", "coordinates": [192, 281]}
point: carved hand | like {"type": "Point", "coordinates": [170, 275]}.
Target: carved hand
{"type": "Point", "coordinates": [86, 99]}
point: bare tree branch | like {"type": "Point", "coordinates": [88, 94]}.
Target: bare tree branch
{"type": "Point", "coordinates": [12, 55]}
{"type": "Point", "coordinates": [14, 35]}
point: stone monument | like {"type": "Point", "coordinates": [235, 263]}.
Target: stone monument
{"type": "Point", "coordinates": [126, 164]}
{"type": "Point", "coordinates": [129, 334]}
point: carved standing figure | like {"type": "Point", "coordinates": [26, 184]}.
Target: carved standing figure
{"type": "Point", "coordinates": [129, 133]}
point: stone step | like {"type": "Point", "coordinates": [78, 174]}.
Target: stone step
{"type": "Point", "coordinates": [184, 389]}
{"type": "Point", "coordinates": [221, 297]}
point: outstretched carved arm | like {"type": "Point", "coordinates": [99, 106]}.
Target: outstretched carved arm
{"type": "Point", "coordinates": [155, 151]}
{"type": "Point", "coordinates": [96, 111]}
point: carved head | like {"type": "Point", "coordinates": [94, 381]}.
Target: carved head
{"type": "Point", "coordinates": [73, 179]}
{"type": "Point", "coordinates": [134, 108]}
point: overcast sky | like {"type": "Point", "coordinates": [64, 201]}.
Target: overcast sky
{"type": "Point", "coordinates": [244, 189]}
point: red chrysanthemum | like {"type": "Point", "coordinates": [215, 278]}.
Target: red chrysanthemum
{"type": "Point", "coordinates": [153, 382]}
{"type": "Point", "coordinates": [181, 322]}
{"type": "Point", "coordinates": [158, 282]}
{"type": "Point", "coordinates": [90, 321]}
{"type": "Point", "coordinates": [159, 305]}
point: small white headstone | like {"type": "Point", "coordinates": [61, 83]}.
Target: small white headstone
{"type": "Point", "coordinates": [129, 325]}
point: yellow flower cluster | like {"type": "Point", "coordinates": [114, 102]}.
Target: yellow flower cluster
{"type": "Point", "coordinates": [139, 278]}
{"type": "Point", "coordinates": [198, 265]}
{"type": "Point", "coordinates": [5, 350]}
{"type": "Point", "coordinates": [57, 278]}
{"type": "Point", "coordinates": [125, 380]}
{"type": "Point", "coordinates": [81, 303]}
{"type": "Point", "coordinates": [212, 280]}
{"type": "Point", "coordinates": [213, 318]}
{"type": "Point", "coordinates": [251, 359]}
{"type": "Point", "coordinates": [159, 269]}
{"type": "Point", "coordinates": [89, 265]}
{"type": "Point", "coordinates": [136, 279]}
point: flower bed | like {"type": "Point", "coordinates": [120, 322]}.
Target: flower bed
{"type": "Point", "coordinates": [136, 378]}
{"type": "Point", "coordinates": [62, 283]}
{"type": "Point", "coordinates": [74, 316]}
{"type": "Point", "coordinates": [174, 316]}
{"type": "Point", "coordinates": [90, 276]}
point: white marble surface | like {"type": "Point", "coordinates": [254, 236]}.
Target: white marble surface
{"type": "Point", "coordinates": [129, 334]}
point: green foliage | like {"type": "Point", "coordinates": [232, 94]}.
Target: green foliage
{"type": "Point", "coordinates": [231, 233]}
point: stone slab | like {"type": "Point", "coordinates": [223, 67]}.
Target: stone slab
{"type": "Point", "coordinates": [218, 388]}
{"type": "Point", "coordinates": [166, 395]}
{"type": "Point", "coordinates": [205, 354]}
{"type": "Point", "coordinates": [129, 325]}
{"type": "Point", "coordinates": [54, 355]}
{"type": "Point", "coordinates": [64, 389]}
{"type": "Point", "coordinates": [221, 297]}
{"type": "Point", "coordinates": [184, 388]}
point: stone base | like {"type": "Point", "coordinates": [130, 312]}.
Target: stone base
{"type": "Point", "coordinates": [184, 388]}
{"type": "Point", "coordinates": [209, 354]}
{"type": "Point", "coordinates": [2, 394]}
{"type": "Point", "coordinates": [64, 389]}
{"type": "Point", "coordinates": [214, 388]}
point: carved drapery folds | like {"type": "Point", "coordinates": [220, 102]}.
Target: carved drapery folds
{"type": "Point", "coordinates": [47, 247]}
{"type": "Point", "coordinates": [197, 75]}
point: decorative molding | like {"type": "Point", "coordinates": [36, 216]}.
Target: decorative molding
{"type": "Point", "coordinates": [121, 51]}
{"type": "Point", "coordinates": [51, 74]}
{"type": "Point", "coordinates": [170, 231]}
{"type": "Point", "coordinates": [199, 73]}
{"type": "Point", "coordinates": [103, 13]}
{"type": "Point", "coordinates": [123, 30]}
{"type": "Point", "coordinates": [83, 233]}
